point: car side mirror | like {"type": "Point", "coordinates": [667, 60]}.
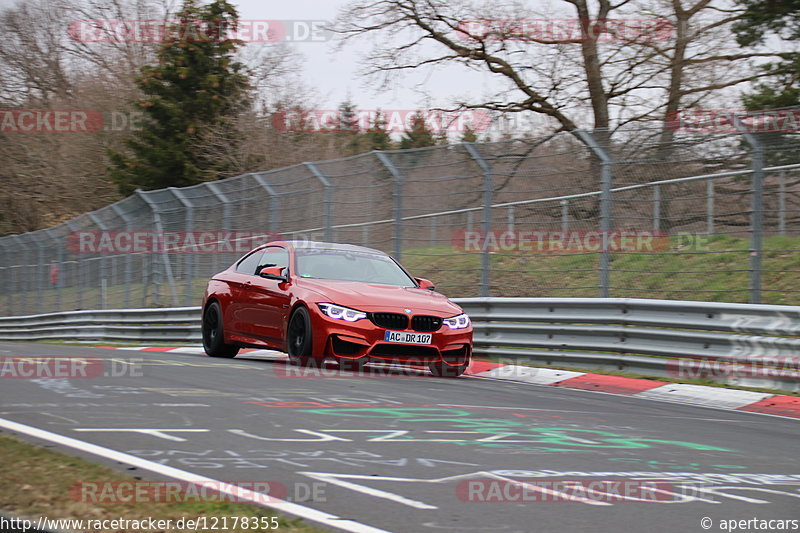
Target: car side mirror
{"type": "Point", "coordinates": [425, 284]}
{"type": "Point", "coordinates": [275, 273]}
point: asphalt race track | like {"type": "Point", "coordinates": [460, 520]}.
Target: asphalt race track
{"type": "Point", "coordinates": [407, 452]}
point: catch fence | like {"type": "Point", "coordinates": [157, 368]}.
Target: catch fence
{"type": "Point", "coordinates": [640, 213]}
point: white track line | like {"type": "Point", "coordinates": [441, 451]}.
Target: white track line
{"type": "Point", "coordinates": [301, 511]}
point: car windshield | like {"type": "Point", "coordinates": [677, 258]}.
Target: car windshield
{"type": "Point", "coordinates": [348, 265]}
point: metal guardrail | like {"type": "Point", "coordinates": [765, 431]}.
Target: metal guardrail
{"type": "Point", "coordinates": [740, 344]}
{"type": "Point", "coordinates": [744, 344]}
{"type": "Point", "coordinates": [172, 324]}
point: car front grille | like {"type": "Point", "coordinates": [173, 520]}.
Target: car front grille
{"type": "Point", "coordinates": [425, 323]}
{"type": "Point", "coordinates": [389, 320]}
{"type": "Point", "coordinates": [406, 352]}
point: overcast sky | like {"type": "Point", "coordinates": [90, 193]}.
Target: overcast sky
{"type": "Point", "coordinates": [334, 74]}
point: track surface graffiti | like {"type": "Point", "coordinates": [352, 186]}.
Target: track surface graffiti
{"type": "Point", "coordinates": [691, 487]}
{"type": "Point", "coordinates": [263, 458]}
{"type": "Point", "coordinates": [502, 432]}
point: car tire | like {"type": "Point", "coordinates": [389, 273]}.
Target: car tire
{"type": "Point", "coordinates": [444, 370]}
{"type": "Point", "coordinates": [299, 339]}
{"type": "Point", "coordinates": [213, 334]}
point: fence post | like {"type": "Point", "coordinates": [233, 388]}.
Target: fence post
{"type": "Point", "coordinates": [757, 206]}
{"type": "Point", "coordinates": [327, 199]}
{"type": "Point", "coordinates": [709, 206]}
{"type": "Point", "coordinates": [606, 164]}
{"type": "Point", "coordinates": [398, 202]}
{"type": "Point", "coordinates": [14, 283]}
{"type": "Point", "coordinates": [23, 276]}
{"type": "Point", "coordinates": [128, 278]}
{"type": "Point", "coordinates": [76, 278]}
{"type": "Point", "coordinates": [7, 287]}
{"type": "Point", "coordinates": [273, 200]}
{"type": "Point", "coordinates": [782, 203]}
{"type": "Point", "coordinates": [40, 274]}
{"type": "Point", "coordinates": [188, 262]}
{"type": "Point", "coordinates": [564, 217]}
{"type": "Point", "coordinates": [6, 278]}
{"type": "Point", "coordinates": [101, 293]}
{"type": "Point", "coordinates": [510, 218]}
{"type": "Point", "coordinates": [164, 258]}
{"type": "Point", "coordinates": [59, 247]}
{"type": "Point", "coordinates": [226, 217]}
{"type": "Point", "coordinates": [488, 195]}
{"type": "Point", "coordinates": [434, 237]}
{"type": "Point", "coordinates": [656, 208]}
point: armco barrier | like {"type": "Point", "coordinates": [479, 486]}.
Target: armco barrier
{"type": "Point", "coordinates": [175, 324]}
{"type": "Point", "coordinates": [752, 345]}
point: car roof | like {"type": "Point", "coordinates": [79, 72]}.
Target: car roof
{"type": "Point", "coordinates": [319, 245]}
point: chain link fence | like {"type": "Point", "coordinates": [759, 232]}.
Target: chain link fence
{"type": "Point", "coordinates": [648, 213]}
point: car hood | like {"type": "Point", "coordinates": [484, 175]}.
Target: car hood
{"type": "Point", "coordinates": [372, 297]}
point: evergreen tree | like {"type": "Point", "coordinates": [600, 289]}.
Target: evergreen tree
{"type": "Point", "coordinates": [780, 19]}
{"type": "Point", "coordinates": [419, 135]}
{"type": "Point", "coordinates": [348, 118]}
{"type": "Point", "coordinates": [348, 129]}
{"type": "Point", "coordinates": [378, 134]}
{"type": "Point", "coordinates": [469, 135]}
{"type": "Point", "coordinates": [762, 20]}
{"type": "Point", "coordinates": [196, 87]}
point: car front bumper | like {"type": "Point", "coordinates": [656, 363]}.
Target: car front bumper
{"type": "Point", "coordinates": [363, 341]}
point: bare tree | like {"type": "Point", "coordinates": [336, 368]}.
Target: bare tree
{"type": "Point", "coordinates": [684, 55]}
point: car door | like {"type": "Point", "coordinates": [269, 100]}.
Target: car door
{"type": "Point", "coordinates": [240, 281]}
{"type": "Point", "coordinates": [266, 301]}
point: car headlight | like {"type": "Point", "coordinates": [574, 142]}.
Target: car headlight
{"type": "Point", "coordinates": [457, 322]}
{"type": "Point", "coordinates": [342, 313]}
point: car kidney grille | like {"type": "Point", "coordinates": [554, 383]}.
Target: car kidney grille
{"type": "Point", "coordinates": [389, 320]}
{"type": "Point", "coordinates": [425, 323]}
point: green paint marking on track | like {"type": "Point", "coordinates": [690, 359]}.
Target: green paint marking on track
{"type": "Point", "coordinates": [569, 438]}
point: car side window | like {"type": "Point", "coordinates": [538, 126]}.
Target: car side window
{"type": "Point", "coordinates": [272, 257]}
{"type": "Point", "coordinates": [248, 264]}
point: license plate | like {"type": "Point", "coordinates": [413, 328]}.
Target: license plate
{"type": "Point", "coordinates": [406, 337]}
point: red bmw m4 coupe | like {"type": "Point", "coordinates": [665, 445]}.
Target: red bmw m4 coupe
{"type": "Point", "coordinates": [319, 300]}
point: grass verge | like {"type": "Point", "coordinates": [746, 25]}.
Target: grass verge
{"type": "Point", "coordinates": [717, 270]}
{"type": "Point", "coordinates": [37, 481]}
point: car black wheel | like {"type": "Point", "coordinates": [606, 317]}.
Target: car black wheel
{"type": "Point", "coordinates": [213, 338]}
{"type": "Point", "coordinates": [298, 339]}
{"type": "Point", "coordinates": [443, 370]}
